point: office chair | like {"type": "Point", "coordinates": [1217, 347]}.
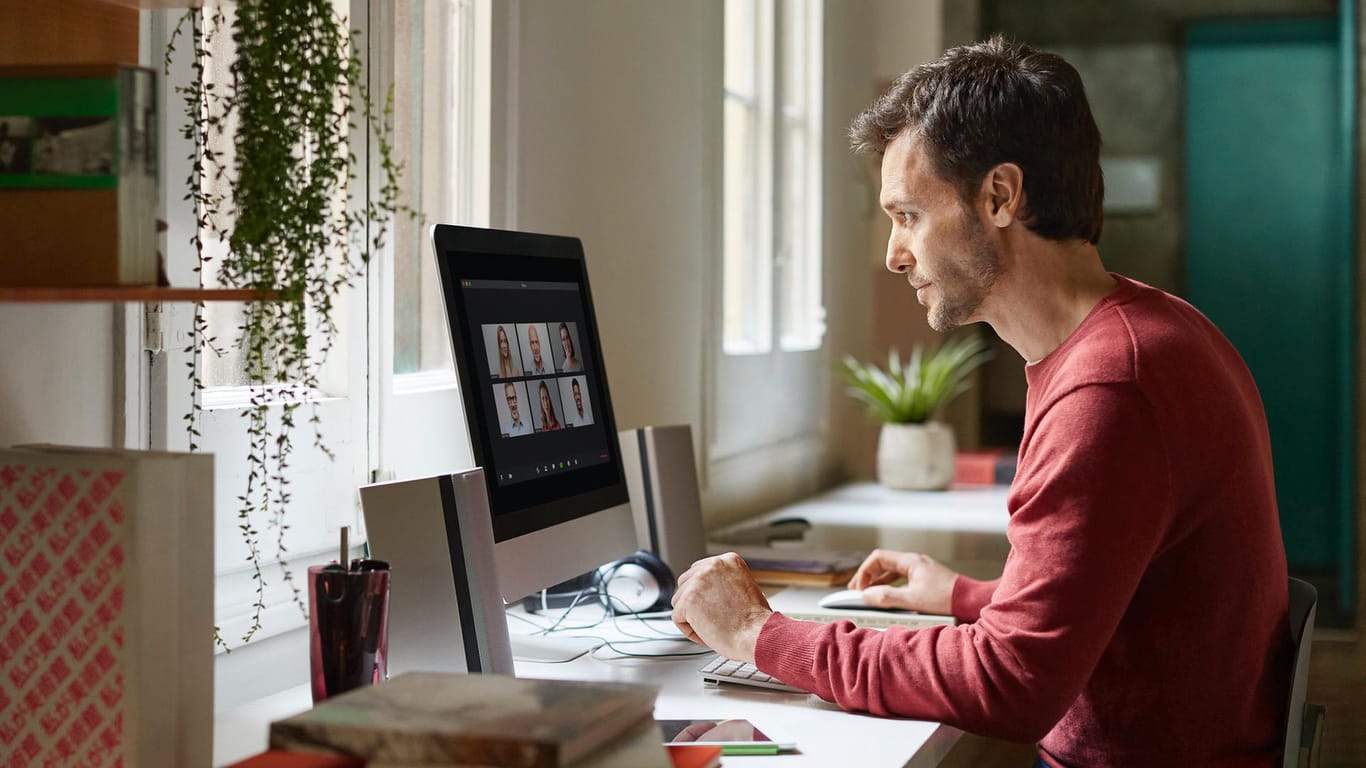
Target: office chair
{"type": "Point", "coordinates": [1304, 722]}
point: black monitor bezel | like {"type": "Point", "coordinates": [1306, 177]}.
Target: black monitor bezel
{"type": "Point", "coordinates": [471, 253]}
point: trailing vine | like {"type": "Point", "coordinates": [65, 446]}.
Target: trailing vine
{"type": "Point", "coordinates": [279, 201]}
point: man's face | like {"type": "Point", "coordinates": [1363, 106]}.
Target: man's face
{"type": "Point", "coordinates": [534, 340]}
{"type": "Point", "coordinates": [578, 398]}
{"type": "Point", "coordinates": [940, 246]}
{"type": "Point", "coordinates": [510, 393]}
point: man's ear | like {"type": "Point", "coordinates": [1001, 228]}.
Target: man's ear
{"type": "Point", "coordinates": [1002, 194]}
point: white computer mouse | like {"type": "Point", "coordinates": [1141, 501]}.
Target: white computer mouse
{"type": "Point", "coordinates": [845, 598]}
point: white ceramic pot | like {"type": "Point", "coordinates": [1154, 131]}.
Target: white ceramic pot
{"type": "Point", "coordinates": [916, 456]}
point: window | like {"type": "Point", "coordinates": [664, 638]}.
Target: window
{"type": "Point", "coordinates": [440, 70]}
{"type": "Point", "coordinates": [771, 271]}
{"type": "Point", "coordinates": [770, 369]}
{"type": "Point", "coordinates": [439, 122]}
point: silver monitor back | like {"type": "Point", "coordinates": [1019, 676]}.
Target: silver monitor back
{"type": "Point", "coordinates": [536, 560]}
{"type": "Point", "coordinates": [445, 609]}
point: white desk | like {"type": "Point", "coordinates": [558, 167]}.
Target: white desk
{"type": "Point", "coordinates": [825, 735]}
{"type": "Point", "coordinates": [964, 527]}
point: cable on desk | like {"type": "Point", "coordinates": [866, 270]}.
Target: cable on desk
{"type": "Point", "coordinates": [564, 614]}
{"type": "Point", "coordinates": [613, 645]}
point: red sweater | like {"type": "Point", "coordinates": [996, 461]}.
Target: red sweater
{"type": "Point", "coordinates": [1141, 615]}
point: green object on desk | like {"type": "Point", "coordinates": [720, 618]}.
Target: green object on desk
{"type": "Point", "coordinates": [750, 749]}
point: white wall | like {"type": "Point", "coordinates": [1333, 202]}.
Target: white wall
{"type": "Point", "coordinates": [57, 374]}
{"type": "Point", "coordinates": [609, 122]}
{"type": "Point", "coordinates": [906, 33]}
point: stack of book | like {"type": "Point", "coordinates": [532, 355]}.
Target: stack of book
{"type": "Point", "coordinates": [810, 568]}
{"type": "Point", "coordinates": [429, 719]}
{"type": "Point", "coordinates": [985, 466]}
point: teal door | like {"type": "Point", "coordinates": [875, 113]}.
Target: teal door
{"type": "Point", "coordinates": [1268, 211]}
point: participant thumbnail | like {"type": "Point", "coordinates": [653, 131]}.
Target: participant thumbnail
{"type": "Point", "coordinates": [504, 357]}
{"type": "Point", "coordinates": [536, 357]}
{"type": "Point", "coordinates": [512, 404]}
{"type": "Point", "coordinates": [568, 356]}
{"type": "Point", "coordinates": [578, 410]}
{"type": "Point", "coordinates": [546, 416]}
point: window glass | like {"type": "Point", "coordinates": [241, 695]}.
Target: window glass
{"type": "Point", "coordinates": [771, 255]}
{"type": "Point", "coordinates": [436, 118]}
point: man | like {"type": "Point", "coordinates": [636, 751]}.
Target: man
{"type": "Point", "coordinates": [1141, 615]}
{"type": "Point", "coordinates": [518, 426]}
{"type": "Point", "coordinates": [580, 419]}
{"type": "Point", "coordinates": [534, 341]}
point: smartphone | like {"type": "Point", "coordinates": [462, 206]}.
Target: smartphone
{"type": "Point", "coordinates": [734, 737]}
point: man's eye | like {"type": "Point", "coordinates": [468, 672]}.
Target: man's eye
{"type": "Point", "coordinates": [905, 217]}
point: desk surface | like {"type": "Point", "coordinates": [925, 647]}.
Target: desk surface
{"type": "Point", "coordinates": [825, 735]}
{"type": "Point", "coordinates": [964, 527]}
{"type": "Point", "coordinates": [963, 508]}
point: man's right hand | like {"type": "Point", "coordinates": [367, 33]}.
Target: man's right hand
{"type": "Point", "coordinates": [928, 588]}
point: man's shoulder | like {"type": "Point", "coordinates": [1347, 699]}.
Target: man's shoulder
{"type": "Point", "coordinates": [1146, 339]}
{"type": "Point", "coordinates": [1137, 331]}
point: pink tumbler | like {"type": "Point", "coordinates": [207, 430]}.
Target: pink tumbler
{"type": "Point", "coordinates": [348, 625]}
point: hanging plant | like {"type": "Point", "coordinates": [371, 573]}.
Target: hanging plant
{"type": "Point", "coordinates": [279, 201]}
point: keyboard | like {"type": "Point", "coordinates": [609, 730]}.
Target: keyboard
{"type": "Point", "coordinates": [723, 670]}
{"type": "Point", "coordinates": [872, 618]}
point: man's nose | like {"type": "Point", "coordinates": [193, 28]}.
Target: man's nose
{"type": "Point", "coordinates": [899, 258]}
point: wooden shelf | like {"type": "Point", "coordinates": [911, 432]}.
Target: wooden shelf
{"type": "Point", "coordinates": [147, 293]}
{"type": "Point", "coordinates": [164, 4]}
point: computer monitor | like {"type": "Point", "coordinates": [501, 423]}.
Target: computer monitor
{"type": "Point", "coordinates": [536, 401]}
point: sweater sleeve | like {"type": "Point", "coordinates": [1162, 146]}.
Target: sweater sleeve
{"type": "Point", "coordinates": [1088, 510]}
{"type": "Point", "coordinates": [970, 596]}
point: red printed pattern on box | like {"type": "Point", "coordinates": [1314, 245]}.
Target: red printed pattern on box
{"type": "Point", "coordinates": [61, 616]}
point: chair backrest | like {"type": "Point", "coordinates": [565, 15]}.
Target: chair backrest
{"type": "Point", "coordinates": [1304, 600]}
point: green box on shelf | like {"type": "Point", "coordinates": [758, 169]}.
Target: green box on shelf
{"type": "Point", "coordinates": [78, 175]}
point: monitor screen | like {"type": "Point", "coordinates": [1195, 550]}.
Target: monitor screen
{"type": "Point", "coordinates": [531, 375]}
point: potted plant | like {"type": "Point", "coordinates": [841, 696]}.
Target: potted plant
{"type": "Point", "coordinates": [914, 451]}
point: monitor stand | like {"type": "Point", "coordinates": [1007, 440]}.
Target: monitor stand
{"type": "Point", "coordinates": [552, 648]}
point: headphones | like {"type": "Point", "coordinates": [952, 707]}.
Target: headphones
{"type": "Point", "coordinates": [641, 583]}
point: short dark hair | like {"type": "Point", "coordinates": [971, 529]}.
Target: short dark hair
{"type": "Point", "coordinates": [995, 102]}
